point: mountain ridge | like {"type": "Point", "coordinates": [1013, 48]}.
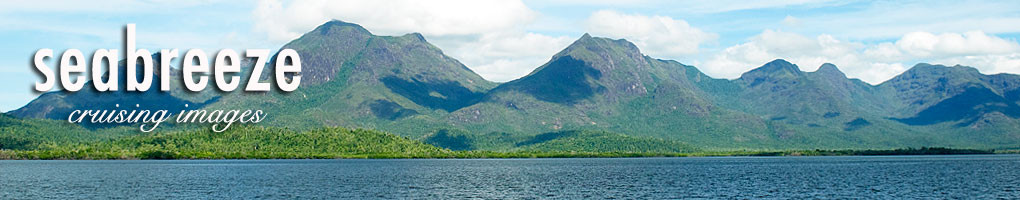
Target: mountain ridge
{"type": "Point", "coordinates": [403, 84]}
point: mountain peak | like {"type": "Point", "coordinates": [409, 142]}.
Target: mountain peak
{"type": "Point", "coordinates": [588, 46]}
{"type": "Point", "coordinates": [780, 64]}
{"type": "Point", "coordinates": [775, 68]}
{"type": "Point", "coordinates": [925, 68]}
{"type": "Point", "coordinates": [614, 68]}
{"type": "Point", "coordinates": [830, 69]}
{"type": "Point", "coordinates": [416, 35]}
{"type": "Point", "coordinates": [337, 25]}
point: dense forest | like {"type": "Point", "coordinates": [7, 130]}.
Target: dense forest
{"type": "Point", "coordinates": [50, 139]}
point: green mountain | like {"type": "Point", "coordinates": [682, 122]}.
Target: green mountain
{"type": "Point", "coordinates": [353, 78]}
{"type": "Point", "coordinates": [603, 84]}
{"type": "Point", "coordinates": [601, 94]}
{"type": "Point", "coordinates": [807, 103]}
{"type": "Point", "coordinates": [931, 94]}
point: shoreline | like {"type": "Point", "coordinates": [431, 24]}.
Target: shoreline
{"type": "Point", "coordinates": [167, 155]}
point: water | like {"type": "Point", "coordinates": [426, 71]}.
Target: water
{"type": "Point", "coordinates": [896, 177]}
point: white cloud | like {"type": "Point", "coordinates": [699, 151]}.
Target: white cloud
{"type": "Point", "coordinates": [987, 53]}
{"type": "Point", "coordinates": [732, 61]}
{"type": "Point", "coordinates": [873, 63]}
{"type": "Point", "coordinates": [657, 36]}
{"type": "Point", "coordinates": [807, 53]}
{"type": "Point", "coordinates": [884, 52]}
{"type": "Point", "coordinates": [923, 44]}
{"type": "Point", "coordinates": [992, 64]}
{"type": "Point", "coordinates": [435, 18]}
{"type": "Point", "coordinates": [487, 36]}
{"type": "Point", "coordinates": [792, 21]}
{"type": "Point", "coordinates": [507, 56]}
{"type": "Point", "coordinates": [490, 37]}
{"type": "Point", "coordinates": [719, 6]}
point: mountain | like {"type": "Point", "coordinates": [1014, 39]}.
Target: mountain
{"type": "Point", "coordinates": [931, 94]}
{"type": "Point", "coordinates": [779, 88]}
{"type": "Point", "coordinates": [614, 70]}
{"type": "Point", "coordinates": [58, 105]}
{"type": "Point", "coordinates": [601, 89]}
{"type": "Point", "coordinates": [353, 78]}
{"type": "Point", "coordinates": [604, 84]}
{"type": "Point", "coordinates": [797, 102]}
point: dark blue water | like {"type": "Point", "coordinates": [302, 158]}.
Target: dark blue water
{"type": "Point", "coordinates": [980, 177]}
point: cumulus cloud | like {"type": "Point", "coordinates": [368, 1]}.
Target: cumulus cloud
{"type": "Point", "coordinates": [437, 18]}
{"type": "Point", "coordinates": [657, 36]}
{"type": "Point", "coordinates": [490, 37]}
{"type": "Point", "coordinates": [808, 53]}
{"type": "Point", "coordinates": [872, 63]}
{"type": "Point", "coordinates": [487, 36]}
{"type": "Point", "coordinates": [923, 44]}
{"type": "Point", "coordinates": [987, 53]}
{"type": "Point", "coordinates": [507, 56]}
{"type": "Point", "coordinates": [993, 64]}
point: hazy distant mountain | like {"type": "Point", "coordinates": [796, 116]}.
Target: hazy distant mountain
{"type": "Point", "coordinates": [825, 98]}
{"type": "Point", "coordinates": [58, 105]}
{"type": "Point", "coordinates": [409, 87]}
{"type": "Point", "coordinates": [930, 94]}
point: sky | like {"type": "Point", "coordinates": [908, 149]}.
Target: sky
{"type": "Point", "coordinates": [504, 40]}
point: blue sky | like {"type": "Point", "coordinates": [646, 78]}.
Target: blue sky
{"type": "Point", "coordinates": [503, 40]}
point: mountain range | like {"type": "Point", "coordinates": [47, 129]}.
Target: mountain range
{"type": "Point", "coordinates": [407, 86]}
